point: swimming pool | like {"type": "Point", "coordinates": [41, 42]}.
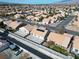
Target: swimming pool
{"type": "Point", "coordinates": [34, 1]}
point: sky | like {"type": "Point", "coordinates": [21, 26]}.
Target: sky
{"type": "Point", "coordinates": [33, 1]}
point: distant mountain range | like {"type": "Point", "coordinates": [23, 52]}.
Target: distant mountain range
{"type": "Point", "coordinates": [71, 2]}
{"type": "Point", "coordinates": [62, 2]}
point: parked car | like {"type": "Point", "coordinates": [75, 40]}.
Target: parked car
{"type": "Point", "coordinates": [18, 52]}
{"type": "Point", "coordinates": [29, 58]}
{"type": "Point", "coordinates": [14, 47]}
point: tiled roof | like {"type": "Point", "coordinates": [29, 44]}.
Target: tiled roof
{"type": "Point", "coordinates": [76, 42]}
{"type": "Point", "coordinates": [60, 39]}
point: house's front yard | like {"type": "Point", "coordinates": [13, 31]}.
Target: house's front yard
{"type": "Point", "coordinates": [59, 49]}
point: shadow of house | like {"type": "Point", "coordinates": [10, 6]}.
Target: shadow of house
{"type": "Point", "coordinates": [45, 38]}
{"type": "Point", "coordinates": [21, 25]}
{"type": "Point", "coordinates": [5, 33]}
{"type": "Point", "coordinates": [70, 45]}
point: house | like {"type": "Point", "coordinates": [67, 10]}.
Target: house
{"type": "Point", "coordinates": [60, 39]}
{"type": "Point", "coordinates": [55, 18]}
{"type": "Point", "coordinates": [51, 19]}
{"type": "Point", "coordinates": [25, 30]}
{"type": "Point", "coordinates": [46, 21]}
{"type": "Point", "coordinates": [13, 24]}
{"type": "Point", "coordinates": [62, 13]}
{"type": "Point", "coordinates": [75, 13]}
{"type": "Point", "coordinates": [43, 15]}
{"type": "Point", "coordinates": [76, 23]}
{"type": "Point", "coordinates": [30, 17]}
{"type": "Point", "coordinates": [75, 46]}
{"type": "Point", "coordinates": [17, 16]}
{"type": "Point", "coordinates": [39, 33]}
{"type": "Point", "coordinates": [35, 19]}
{"type": "Point", "coordinates": [29, 27]}
{"type": "Point", "coordinates": [38, 12]}
{"type": "Point", "coordinates": [7, 22]}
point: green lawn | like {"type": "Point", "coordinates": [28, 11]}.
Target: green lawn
{"type": "Point", "coordinates": [76, 57]}
{"type": "Point", "coordinates": [59, 49]}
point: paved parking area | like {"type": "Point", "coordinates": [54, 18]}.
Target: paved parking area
{"type": "Point", "coordinates": [11, 54]}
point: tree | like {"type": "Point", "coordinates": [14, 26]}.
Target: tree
{"type": "Point", "coordinates": [23, 17]}
{"type": "Point", "coordinates": [3, 14]}
{"type": "Point", "coordinates": [61, 18]}
{"type": "Point", "coordinates": [13, 19]}
{"type": "Point", "coordinates": [66, 15]}
{"type": "Point", "coordinates": [50, 12]}
{"type": "Point", "coordinates": [76, 9]}
{"type": "Point", "coordinates": [61, 30]}
{"type": "Point", "coordinates": [76, 18]}
{"type": "Point", "coordinates": [50, 43]}
{"type": "Point", "coordinates": [54, 11]}
{"type": "Point", "coordinates": [43, 9]}
{"type": "Point", "coordinates": [2, 25]}
{"type": "Point", "coordinates": [76, 57]}
{"type": "Point", "coordinates": [40, 19]}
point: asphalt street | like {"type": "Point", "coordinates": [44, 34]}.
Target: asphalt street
{"type": "Point", "coordinates": [30, 49]}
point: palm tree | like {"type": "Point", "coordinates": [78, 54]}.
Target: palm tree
{"type": "Point", "coordinates": [76, 18]}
